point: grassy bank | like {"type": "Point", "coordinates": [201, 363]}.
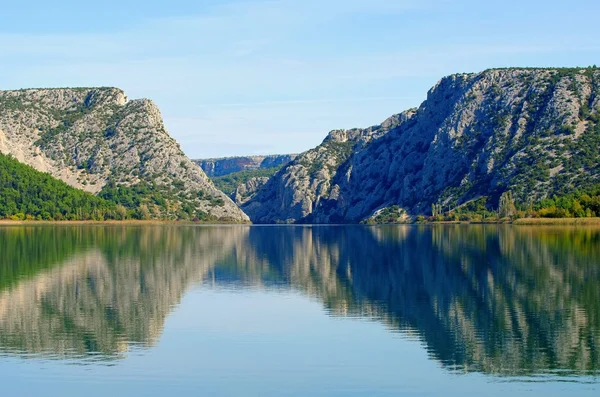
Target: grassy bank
{"type": "Point", "coordinates": [557, 221]}
{"type": "Point", "coordinates": [522, 221]}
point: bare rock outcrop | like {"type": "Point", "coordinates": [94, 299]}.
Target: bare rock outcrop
{"type": "Point", "coordinates": [531, 131]}
{"type": "Point", "coordinates": [300, 186]}
{"type": "Point", "coordinates": [90, 136]}
{"type": "Point", "coordinates": [248, 190]}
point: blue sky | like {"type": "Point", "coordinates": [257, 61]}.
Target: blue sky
{"type": "Point", "coordinates": [235, 77]}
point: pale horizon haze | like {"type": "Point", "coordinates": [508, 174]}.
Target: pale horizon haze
{"type": "Point", "coordinates": [275, 76]}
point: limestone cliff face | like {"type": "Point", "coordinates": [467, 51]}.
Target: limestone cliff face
{"type": "Point", "coordinates": [477, 135]}
{"type": "Point", "coordinates": [246, 191]}
{"type": "Point", "coordinates": [88, 136]}
{"type": "Point", "coordinates": [300, 186]}
{"type": "Point", "coordinates": [230, 165]}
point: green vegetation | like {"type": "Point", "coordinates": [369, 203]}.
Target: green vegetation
{"type": "Point", "coordinates": [27, 194]}
{"type": "Point", "coordinates": [561, 72]}
{"type": "Point", "coordinates": [341, 151]}
{"type": "Point", "coordinates": [542, 161]}
{"type": "Point", "coordinates": [583, 203]}
{"type": "Point", "coordinates": [506, 207]}
{"type": "Point", "coordinates": [478, 210]}
{"type": "Point", "coordinates": [393, 214]}
{"type": "Point", "coordinates": [67, 120]}
{"type": "Point", "coordinates": [579, 204]}
{"type": "Point", "coordinates": [153, 201]}
{"type": "Point", "coordinates": [228, 183]}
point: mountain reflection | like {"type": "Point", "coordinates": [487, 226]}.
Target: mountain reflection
{"type": "Point", "coordinates": [498, 300]}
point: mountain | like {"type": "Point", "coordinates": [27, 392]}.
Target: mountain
{"type": "Point", "coordinates": [228, 165]}
{"type": "Point", "coordinates": [242, 177]}
{"type": "Point", "coordinates": [96, 140]}
{"type": "Point", "coordinates": [534, 132]}
{"type": "Point", "coordinates": [246, 190]}
{"type": "Point", "coordinates": [298, 188]}
{"type": "Point", "coordinates": [231, 182]}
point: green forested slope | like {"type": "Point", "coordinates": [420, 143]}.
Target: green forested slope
{"type": "Point", "coordinates": [26, 193]}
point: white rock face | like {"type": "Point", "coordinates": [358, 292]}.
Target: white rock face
{"type": "Point", "coordinates": [477, 135]}
{"type": "Point", "coordinates": [246, 191]}
{"type": "Point", "coordinates": [301, 186]}
{"type": "Point", "coordinates": [88, 136]}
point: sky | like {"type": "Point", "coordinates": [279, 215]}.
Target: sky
{"type": "Point", "coordinates": [241, 77]}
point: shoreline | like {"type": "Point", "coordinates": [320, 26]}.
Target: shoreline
{"type": "Point", "coordinates": [526, 222]}
{"type": "Point", "coordinates": [557, 221]}
{"type": "Point", "coordinates": [156, 222]}
{"type": "Point", "coordinates": [129, 222]}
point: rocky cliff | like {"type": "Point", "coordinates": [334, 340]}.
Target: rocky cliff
{"type": "Point", "coordinates": [89, 137]}
{"type": "Point", "coordinates": [247, 190]}
{"type": "Point", "coordinates": [298, 188]}
{"type": "Point", "coordinates": [229, 165]}
{"type": "Point", "coordinates": [532, 131]}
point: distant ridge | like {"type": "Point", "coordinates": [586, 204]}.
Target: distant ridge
{"type": "Point", "coordinates": [228, 165]}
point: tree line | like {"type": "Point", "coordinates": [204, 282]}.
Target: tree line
{"type": "Point", "coordinates": [581, 203]}
{"type": "Point", "coordinates": [28, 194]}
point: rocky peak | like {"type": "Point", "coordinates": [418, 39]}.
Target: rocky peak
{"type": "Point", "coordinates": [90, 136]}
{"type": "Point", "coordinates": [364, 135]}
{"type": "Point", "coordinates": [64, 99]}
{"type": "Point", "coordinates": [247, 190]}
{"type": "Point", "coordinates": [300, 186]}
{"type": "Point", "coordinates": [476, 135]}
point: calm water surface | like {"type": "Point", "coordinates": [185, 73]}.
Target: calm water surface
{"type": "Point", "coordinates": [299, 311]}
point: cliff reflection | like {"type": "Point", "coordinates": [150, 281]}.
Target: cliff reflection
{"type": "Point", "coordinates": [501, 300]}
{"type": "Point", "coordinates": [109, 290]}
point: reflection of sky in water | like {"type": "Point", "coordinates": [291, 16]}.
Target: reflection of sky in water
{"type": "Point", "coordinates": [282, 311]}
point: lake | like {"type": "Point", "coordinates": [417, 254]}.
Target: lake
{"type": "Point", "coordinates": [447, 310]}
